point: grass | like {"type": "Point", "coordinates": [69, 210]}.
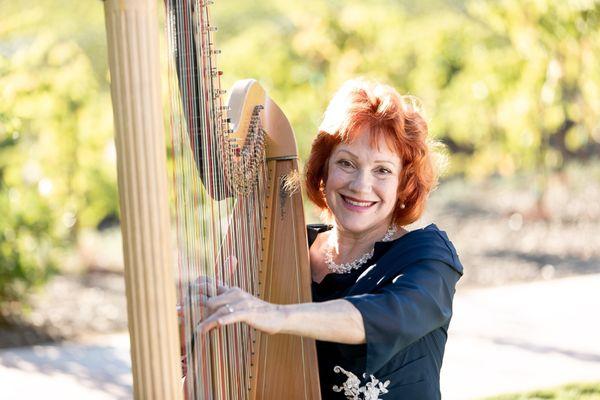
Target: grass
{"type": "Point", "coordinates": [574, 391]}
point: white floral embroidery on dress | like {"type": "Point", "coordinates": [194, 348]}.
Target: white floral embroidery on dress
{"type": "Point", "coordinates": [353, 390]}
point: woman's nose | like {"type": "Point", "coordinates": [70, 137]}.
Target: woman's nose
{"type": "Point", "coordinates": [360, 183]}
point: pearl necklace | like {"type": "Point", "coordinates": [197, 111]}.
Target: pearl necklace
{"type": "Point", "coordinates": [346, 268]}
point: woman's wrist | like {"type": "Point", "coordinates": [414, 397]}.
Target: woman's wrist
{"type": "Point", "coordinates": [285, 312]}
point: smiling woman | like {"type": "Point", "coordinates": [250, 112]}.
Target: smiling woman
{"type": "Point", "coordinates": [362, 184]}
{"type": "Point", "coordinates": [383, 295]}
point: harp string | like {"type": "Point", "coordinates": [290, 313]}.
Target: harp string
{"type": "Point", "coordinates": [214, 228]}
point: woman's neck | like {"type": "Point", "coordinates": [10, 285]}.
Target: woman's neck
{"type": "Point", "coordinates": [347, 245]}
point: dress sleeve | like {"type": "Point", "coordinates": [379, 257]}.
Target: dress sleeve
{"type": "Point", "coordinates": [416, 302]}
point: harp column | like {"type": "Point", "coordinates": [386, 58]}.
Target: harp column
{"type": "Point", "coordinates": [132, 32]}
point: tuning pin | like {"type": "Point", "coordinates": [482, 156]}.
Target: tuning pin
{"type": "Point", "coordinates": [209, 28]}
{"type": "Point", "coordinates": [219, 92]}
{"type": "Point", "coordinates": [215, 72]}
{"type": "Point", "coordinates": [216, 51]}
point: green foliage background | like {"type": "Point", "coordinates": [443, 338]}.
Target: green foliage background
{"type": "Point", "coordinates": [509, 86]}
{"type": "Point", "coordinates": [57, 169]}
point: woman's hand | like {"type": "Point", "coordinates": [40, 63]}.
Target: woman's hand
{"type": "Point", "coordinates": [333, 321]}
{"type": "Point", "coordinates": [234, 305]}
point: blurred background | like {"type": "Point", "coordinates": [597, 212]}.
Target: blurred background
{"type": "Point", "coordinates": [512, 88]}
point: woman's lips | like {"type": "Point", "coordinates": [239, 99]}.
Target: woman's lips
{"type": "Point", "coordinates": [356, 204]}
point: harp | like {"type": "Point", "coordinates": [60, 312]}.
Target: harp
{"type": "Point", "coordinates": [234, 173]}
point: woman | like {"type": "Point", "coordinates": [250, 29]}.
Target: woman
{"type": "Point", "coordinates": [383, 295]}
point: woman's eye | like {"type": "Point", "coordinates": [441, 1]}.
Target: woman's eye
{"type": "Point", "coordinates": [345, 163]}
{"type": "Point", "coordinates": [384, 171]}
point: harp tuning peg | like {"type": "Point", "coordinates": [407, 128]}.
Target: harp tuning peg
{"type": "Point", "coordinates": [219, 92]}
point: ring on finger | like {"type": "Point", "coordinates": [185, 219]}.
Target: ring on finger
{"type": "Point", "coordinates": [228, 308]}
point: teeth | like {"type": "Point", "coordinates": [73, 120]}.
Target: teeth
{"type": "Point", "coordinates": [358, 203]}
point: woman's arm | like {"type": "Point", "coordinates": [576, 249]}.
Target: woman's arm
{"type": "Point", "coordinates": [334, 321]}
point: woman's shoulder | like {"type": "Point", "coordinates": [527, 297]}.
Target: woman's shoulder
{"type": "Point", "coordinates": [428, 232]}
{"type": "Point", "coordinates": [427, 243]}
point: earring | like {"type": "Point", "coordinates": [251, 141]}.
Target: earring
{"type": "Point", "coordinates": [402, 206]}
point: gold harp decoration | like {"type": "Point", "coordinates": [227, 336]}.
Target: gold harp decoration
{"type": "Point", "coordinates": [235, 174]}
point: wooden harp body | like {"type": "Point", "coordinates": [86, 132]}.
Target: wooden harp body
{"type": "Point", "coordinates": [285, 366]}
{"type": "Point", "coordinates": [263, 366]}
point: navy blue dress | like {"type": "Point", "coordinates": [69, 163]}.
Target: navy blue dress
{"type": "Point", "coordinates": [404, 294]}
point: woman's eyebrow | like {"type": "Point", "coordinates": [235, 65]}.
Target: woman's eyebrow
{"type": "Point", "coordinates": [386, 161]}
{"type": "Point", "coordinates": [375, 161]}
{"type": "Point", "coordinates": [346, 151]}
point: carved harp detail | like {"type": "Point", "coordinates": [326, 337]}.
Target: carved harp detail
{"type": "Point", "coordinates": [237, 211]}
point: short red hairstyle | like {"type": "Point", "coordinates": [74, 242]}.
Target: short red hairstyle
{"type": "Point", "coordinates": [360, 103]}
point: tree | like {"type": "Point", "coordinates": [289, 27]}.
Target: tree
{"type": "Point", "coordinates": [56, 160]}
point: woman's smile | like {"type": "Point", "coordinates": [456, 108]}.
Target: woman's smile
{"type": "Point", "coordinates": [357, 204]}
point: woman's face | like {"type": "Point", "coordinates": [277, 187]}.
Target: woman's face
{"type": "Point", "coordinates": [362, 184]}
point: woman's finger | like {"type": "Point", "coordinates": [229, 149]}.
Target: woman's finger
{"type": "Point", "coordinates": [193, 301]}
{"type": "Point", "coordinates": [231, 296]}
{"type": "Point", "coordinates": [199, 298]}
{"type": "Point", "coordinates": [205, 286]}
{"type": "Point", "coordinates": [223, 316]}
{"type": "Point", "coordinates": [208, 286]}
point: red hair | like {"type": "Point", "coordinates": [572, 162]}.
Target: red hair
{"type": "Point", "coordinates": [398, 119]}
